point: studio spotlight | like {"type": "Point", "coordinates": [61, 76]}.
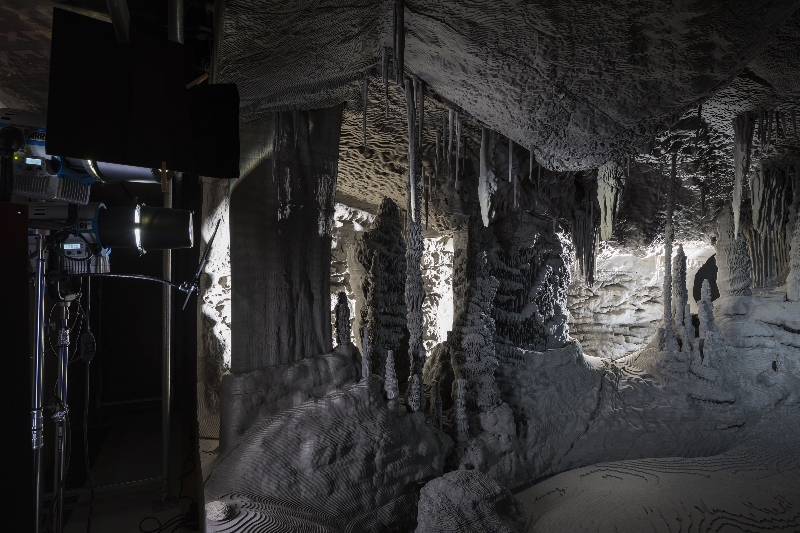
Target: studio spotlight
{"type": "Point", "coordinates": [145, 228]}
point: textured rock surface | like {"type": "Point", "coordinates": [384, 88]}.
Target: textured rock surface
{"type": "Point", "coordinates": [261, 393]}
{"type": "Point", "coordinates": [466, 500]}
{"type": "Point", "coordinates": [622, 310]}
{"type": "Point", "coordinates": [753, 487]}
{"type": "Point", "coordinates": [346, 454]}
{"type": "Point", "coordinates": [281, 301]}
{"type": "Point", "coordinates": [347, 273]}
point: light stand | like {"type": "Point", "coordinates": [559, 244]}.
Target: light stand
{"type": "Point", "coordinates": [62, 411]}
{"type": "Point", "coordinates": [61, 416]}
{"type": "Point", "coordinates": [37, 417]}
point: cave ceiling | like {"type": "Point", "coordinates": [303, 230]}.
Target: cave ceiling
{"type": "Point", "coordinates": [579, 83]}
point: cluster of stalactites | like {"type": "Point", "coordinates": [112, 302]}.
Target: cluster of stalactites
{"type": "Point", "coordinates": [584, 233]}
{"type": "Point", "coordinates": [767, 237]}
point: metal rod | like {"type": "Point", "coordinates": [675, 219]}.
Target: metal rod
{"type": "Point", "coordinates": [176, 25]}
{"type": "Point", "coordinates": [176, 21]}
{"type": "Point", "coordinates": [37, 420]}
{"type": "Point", "coordinates": [166, 361]}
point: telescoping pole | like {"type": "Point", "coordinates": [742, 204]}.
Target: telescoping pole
{"type": "Point", "coordinates": [37, 385]}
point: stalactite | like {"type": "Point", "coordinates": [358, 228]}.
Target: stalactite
{"type": "Point", "coordinates": [510, 158]}
{"type": "Point", "coordinates": [415, 293]}
{"type": "Point", "coordinates": [365, 98]}
{"type": "Point", "coordinates": [460, 415]}
{"type": "Point", "coordinates": [610, 187]}
{"type": "Point", "coordinates": [390, 379]}
{"type": "Point", "coordinates": [530, 164]}
{"type": "Point", "coordinates": [342, 313]}
{"type": "Point", "coordinates": [438, 157]}
{"type": "Point", "coordinates": [366, 352]}
{"type": "Point", "coordinates": [421, 110]}
{"type": "Point", "coordinates": [385, 72]}
{"type": "Point", "coordinates": [584, 228]}
{"type": "Point", "coordinates": [486, 178]}
{"type": "Point", "coordinates": [458, 146]}
{"type": "Point", "coordinates": [412, 153]}
{"type": "Point", "coordinates": [450, 125]}
{"type": "Point", "coordinates": [400, 40]}
{"type": "Point", "coordinates": [742, 144]}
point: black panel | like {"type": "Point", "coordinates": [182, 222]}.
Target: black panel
{"type": "Point", "coordinates": [129, 104]}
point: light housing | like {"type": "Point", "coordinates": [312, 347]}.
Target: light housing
{"type": "Point", "coordinates": [146, 228]}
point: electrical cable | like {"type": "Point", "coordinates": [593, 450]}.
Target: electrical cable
{"type": "Point", "coordinates": [86, 449]}
{"type": "Point", "coordinates": [178, 521]}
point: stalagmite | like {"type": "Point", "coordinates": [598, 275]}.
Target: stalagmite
{"type": "Point", "coordinates": [733, 259]}
{"type": "Point", "coordinates": [679, 293]}
{"type": "Point", "coordinates": [705, 312]}
{"type": "Point", "coordinates": [476, 360]}
{"type": "Point", "coordinates": [742, 143]}
{"type": "Point", "coordinates": [688, 330]}
{"type": "Point", "coordinates": [486, 178]}
{"type": "Point", "coordinates": [669, 336]}
{"type": "Point", "coordinates": [390, 378]}
{"type": "Point", "coordinates": [610, 187]}
{"type": "Point", "coordinates": [342, 312]}
{"type": "Point", "coordinates": [382, 253]}
{"type": "Point", "coordinates": [414, 397]}
{"type": "Point", "coordinates": [436, 404]}
{"type": "Point", "coordinates": [460, 415]}
{"type": "Point", "coordinates": [366, 352]}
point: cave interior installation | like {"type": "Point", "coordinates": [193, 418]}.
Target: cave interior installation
{"type": "Point", "coordinates": [505, 267]}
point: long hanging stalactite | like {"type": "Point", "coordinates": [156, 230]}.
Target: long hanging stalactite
{"type": "Point", "coordinates": [415, 293]}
